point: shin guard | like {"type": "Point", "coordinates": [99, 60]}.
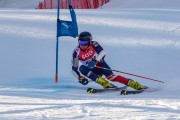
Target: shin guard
{"type": "Point", "coordinates": [117, 78]}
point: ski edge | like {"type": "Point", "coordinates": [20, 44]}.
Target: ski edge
{"type": "Point", "coordinates": [131, 92]}
{"type": "Point", "coordinates": [94, 90]}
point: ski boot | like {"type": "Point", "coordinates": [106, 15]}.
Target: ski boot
{"type": "Point", "coordinates": [105, 83]}
{"type": "Point", "coordinates": [135, 85]}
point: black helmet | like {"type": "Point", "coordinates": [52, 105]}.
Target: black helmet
{"type": "Point", "coordinates": [86, 36]}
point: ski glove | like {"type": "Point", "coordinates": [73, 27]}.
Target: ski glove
{"type": "Point", "coordinates": [91, 64]}
{"type": "Point", "coordinates": [83, 80]}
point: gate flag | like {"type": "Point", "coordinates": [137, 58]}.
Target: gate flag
{"type": "Point", "coordinates": [65, 28]}
{"type": "Point", "coordinates": [68, 28]}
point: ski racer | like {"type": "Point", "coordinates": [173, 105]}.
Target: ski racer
{"type": "Point", "coordinates": [90, 53]}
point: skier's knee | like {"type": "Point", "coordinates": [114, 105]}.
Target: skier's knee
{"type": "Point", "coordinates": [84, 70]}
{"type": "Point", "coordinates": [88, 73]}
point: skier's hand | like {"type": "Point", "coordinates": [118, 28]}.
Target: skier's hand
{"type": "Point", "coordinates": [83, 80]}
{"type": "Point", "coordinates": [91, 64]}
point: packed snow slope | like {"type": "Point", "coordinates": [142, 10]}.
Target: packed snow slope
{"type": "Point", "coordinates": [143, 42]}
{"type": "Point", "coordinates": [113, 4]}
{"type": "Point", "coordinates": [143, 4]}
{"type": "Point", "coordinates": [19, 4]}
{"type": "Point", "coordinates": [139, 41]}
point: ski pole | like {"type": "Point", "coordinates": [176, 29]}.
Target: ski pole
{"type": "Point", "coordinates": [129, 74]}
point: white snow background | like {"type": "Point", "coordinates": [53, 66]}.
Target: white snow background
{"type": "Point", "coordinates": [139, 40]}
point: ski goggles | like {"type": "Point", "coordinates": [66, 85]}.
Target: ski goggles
{"type": "Point", "coordinates": [83, 42]}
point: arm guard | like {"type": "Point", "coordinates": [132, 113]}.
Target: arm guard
{"type": "Point", "coordinates": [75, 64]}
{"type": "Point", "coordinates": [101, 53]}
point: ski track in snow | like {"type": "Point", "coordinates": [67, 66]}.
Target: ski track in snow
{"type": "Point", "coordinates": [39, 108]}
{"type": "Point", "coordinates": [29, 96]}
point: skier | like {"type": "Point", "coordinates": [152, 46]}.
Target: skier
{"type": "Point", "coordinates": [90, 54]}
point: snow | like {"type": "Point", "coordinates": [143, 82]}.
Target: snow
{"type": "Point", "coordinates": [139, 41]}
{"type": "Point", "coordinates": [19, 4]}
{"type": "Point", "coordinates": [143, 4]}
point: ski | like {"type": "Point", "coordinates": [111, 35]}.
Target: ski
{"type": "Point", "coordinates": [130, 92]}
{"type": "Point", "coordinates": [127, 92]}
{"type": "Point", "coordinates": [93, 90]}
